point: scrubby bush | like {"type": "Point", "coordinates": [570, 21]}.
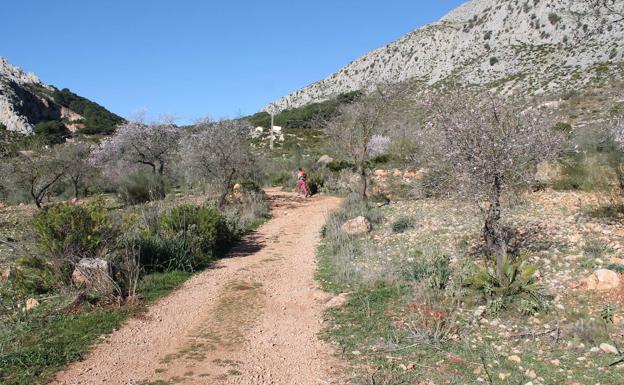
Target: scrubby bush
{"type": "Point", "coordinates": [186, 239]}
{"type": "Point", "coordinates": [52, 132]}
{"type": "Point", "coordinates": [67, 233]}
{"type": "Point", "coordinates": [402, 224]}
{"type": "Point", "coordinates": [436, 272]}
{"type": "Point", "coordinates": [141, 187]}
{"type": "Point", "coordinates": [34, 276]}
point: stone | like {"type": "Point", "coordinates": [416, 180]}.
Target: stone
{"type": "Point", "coordinates": [531, 374]}
{"type": "Point", "coordinates": [357, 226]}
{"type": "Point", "coordinates": [8, 275]}
{"type": "Point", "coordinates": [380, 173]}
{"type": "Point", "coordinates": [237, 187]}
{"type": "Point", "coordinates": [325, 159]}
{"type": "Point", "coordinates": [479, 311]}
{"type": "Point", "coordinates": [514, 358]}
{"type": "Point", "coordinates": [31, 303]}
{"type": "Point", "coordinates": [610, 349]}
{"type": "Point", "coordinates": [338, 301]}
{"type": "Point", "coordinates": [93, 274]}
{"type": "Point", "coordinates": [601, 280]}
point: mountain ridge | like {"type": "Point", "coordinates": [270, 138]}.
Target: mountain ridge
{"type": "Point", "coordinates": [534, 47]}
{"type": "Point", "coordinates": [26, 101]}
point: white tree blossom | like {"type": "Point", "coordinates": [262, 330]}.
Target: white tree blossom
{"type": "Point", "coordinates": [216, 152]}
{"type": "Point", "coordinates": [136, 144]}
{"type": "Point", "coordinates": [378, 145]}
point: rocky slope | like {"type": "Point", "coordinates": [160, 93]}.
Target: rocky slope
{"type": "Point", "coordinates": [26, 101]}
{"type": "Point", "coordinates": [530, 46]}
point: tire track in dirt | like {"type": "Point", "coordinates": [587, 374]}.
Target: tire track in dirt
{"type": "Point", "coordinates": [253, 318]}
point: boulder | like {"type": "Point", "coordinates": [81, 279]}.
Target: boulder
{"type": "Point", "coordinates": [93, 274]}
{"type": "Point", "coordinates": [325, 159]}
{"type": "Point", "coordinates": [380, 173]}
{"type": "Point", "coordinates": [357, 226]}
{"type": "Point", "coordinates": [31, 303]}
{"type": "Point", "coordinates": [602, 280]}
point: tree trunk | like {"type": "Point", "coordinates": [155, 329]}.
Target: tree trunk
{"type": "Point", "coordinates": [226, 188]}
{"type": "Point", "coordinates": [364, 182]}
{"type": "Point", "coordinates": [76, 187]}
{"type": "Point", "coordinates": [493, 233]}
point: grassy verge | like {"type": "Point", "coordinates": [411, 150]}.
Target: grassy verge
{"type": "Point", "coordinates": [39, 343]}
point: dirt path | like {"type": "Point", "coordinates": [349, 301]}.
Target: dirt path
{"type": "Point", "coordinates": [252, 319]}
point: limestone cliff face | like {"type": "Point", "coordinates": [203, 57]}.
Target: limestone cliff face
{"type": "Point", "coordinates": [26, 101]}
{"type": "Point", "coordinates": [531, 46]}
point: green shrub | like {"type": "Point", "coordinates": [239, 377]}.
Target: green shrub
{"type": "Point", "coordinates": [141, 187]}
{"type": "Point", "coordinates": [402, 224]}
{"type": "Point", "coordinates": [616, 268]}
{"type": "Point", "coordinates": [98, 120]}
{"type": "Point", "coordinates": [437, 272]}
{"type": "Point", "coordinates": [67, 232]}
{"type": "Point", "coordinates": [281, 178]}
{"type": "Point", "coordinates": [33, 276]}
{"type": "Point", "coordinates": [186, 239]}
{"type": "Point", "coordinates": [52, 132]}
{"type": "Point", "coordinates": [339, 165]}
{"type": "Point", "coordinates": [316, 181]}
{"type": "Point", "coordinates": [440, 273]}
{"type": "Point", "coordinates": [519, 287]}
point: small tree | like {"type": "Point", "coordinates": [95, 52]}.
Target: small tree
{"type": "Point", "coordinates": [135, 143]}
{"type": "Point", "coordinates": [37, 172]}
{"type": "Point", "coordinates": [217, 153]}
{"type": "Point", "coordinates": [76, 156]}
{"type": "Point", "coordinates": [358, 131]}
{"type": "Point", "coordinates": [492, 147]}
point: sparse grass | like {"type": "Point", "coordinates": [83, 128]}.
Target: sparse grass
{"type": "Point", "coordinates": [398, 328]}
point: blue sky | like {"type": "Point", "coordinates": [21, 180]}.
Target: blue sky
{"type": "Point", "coordinates": [192, 58]}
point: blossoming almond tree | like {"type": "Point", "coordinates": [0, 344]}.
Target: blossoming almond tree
{"type": "Point", "coordinates": [217, 153]}
{"type": "Point", "coordinates": [492, 147]}
{"type": "Point", "coordinates": [134, 143]}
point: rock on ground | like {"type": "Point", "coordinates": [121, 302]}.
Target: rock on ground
{"type": "Point", "coordinates": [357, 226]}
{"type": "Point", "coordinates": [602, 280]}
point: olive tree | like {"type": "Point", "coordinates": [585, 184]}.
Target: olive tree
{"type": "Point", "coordinates": [492, 147]}
{"type": "Point", "coordinates": [216, 152]}
{"type": "Point", "coordinates": [138, 144]}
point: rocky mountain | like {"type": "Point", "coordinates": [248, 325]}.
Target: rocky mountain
{"type": "Point", "coordinates": [530, 46]}
{"type": "Point", "coordinates": [25, 101]}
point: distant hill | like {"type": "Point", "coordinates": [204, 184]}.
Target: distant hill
{"type": "Point", "coordinates": [531, 47]}
{"type": "Point", "coordinates": [25, 102]}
